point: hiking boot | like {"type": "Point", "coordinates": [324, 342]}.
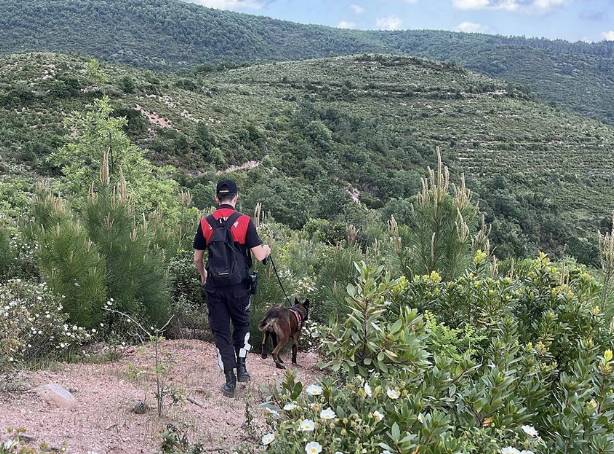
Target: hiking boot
{"type": "Point", "coordinates": [242, 374]}
{"type": "Point", "coordinates": [228, 389]}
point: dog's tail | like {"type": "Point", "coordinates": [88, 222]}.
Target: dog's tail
{"type": "Point", "coordinates": [269, 322]}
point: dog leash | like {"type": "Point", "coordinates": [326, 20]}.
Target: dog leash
{"type": "Point", "coordinates": [279, 280]}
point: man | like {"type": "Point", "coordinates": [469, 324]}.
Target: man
{"type": "Point", "coordinates": [230, 239]}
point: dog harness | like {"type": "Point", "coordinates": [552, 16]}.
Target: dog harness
{"type": "Point", "coordinates": [298, 316]}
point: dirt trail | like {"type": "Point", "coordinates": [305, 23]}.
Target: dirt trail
{"type": "Point", "coordinates": [102, 421]}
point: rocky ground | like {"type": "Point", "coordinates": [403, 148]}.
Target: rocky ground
{"type": "Point", "coordinates": [102, 417]}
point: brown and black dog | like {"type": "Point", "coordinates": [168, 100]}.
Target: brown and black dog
{"type": "Point", "coordinates": [282, 324]}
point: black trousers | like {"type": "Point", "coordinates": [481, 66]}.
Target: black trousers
{"type": "Point", "coordinates": [226, 305]}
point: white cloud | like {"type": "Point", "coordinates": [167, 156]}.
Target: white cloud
{"type": "Point", "coordinates": [471, 4]}
{"type": "Point", "coordinates": [470, 27]}
{"type": "Point", "coordinates": [346, 24]}
{"type": "Point", "coordinates": [234, 5]}
{"type": "Point", "coordinates": [530, 6]}
{"type": "Point", "coordinates": [608, 36]}
{"type": "Point", "coordinates": [388, 23]}
{"type": "Point", "coordinates": [357, 9]}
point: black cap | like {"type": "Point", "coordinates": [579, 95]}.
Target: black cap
{"type": "Point", "coordinates": [226, 188]}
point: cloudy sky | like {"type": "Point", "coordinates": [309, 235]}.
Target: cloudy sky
{"type": "Point", "coordinates": [574, 20]}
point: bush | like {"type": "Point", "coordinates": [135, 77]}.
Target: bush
{"type": "Point", "coordinates": [187, 305]}
{"type": "Point", "coordinates": [406, 382]}
{"type": "Point", "coordinates": [7, 255]}
{"type": "Point", "coordinates": [33, 323]}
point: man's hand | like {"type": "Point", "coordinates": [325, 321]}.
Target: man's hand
{"type": "Point", "coordinates": [200, 265]}
{"type": "Point", "coordinates": [261, 252]}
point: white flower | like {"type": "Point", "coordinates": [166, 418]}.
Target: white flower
{"type": "Point", "coordinates": [271, 411]}
{"type": "Point", "coordinates": [368, 391]}
{"type": "Point", "coordinates": [314, 390]}
{"type": "Point", "coordinates": [393, 394]}
{"type": "Point", "coordinates": [328, 414]}
{"type": "Point", "coordinates": [290, 406]}
{"type": "Point", "coordinates": [509, 450]}
{"type": "Point", "coordinates": [378, 416]}
{"type": "Point", "coordinates": [526, 451]}
{"type": "Point", "coordinates": [530, 430]}
{"type": "Point", "coordinates": [267, 439]}
{"type": "Point", "coordinates": [313, 447]}
{"type": "Point", "coordinates": [307, 425]}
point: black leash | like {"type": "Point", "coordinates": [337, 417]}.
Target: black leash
{"type": "Point", "coordinates": [279, 280]}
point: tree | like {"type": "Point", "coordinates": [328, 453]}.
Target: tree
{"type": "Point", "coordinates": [96, 132]}
{"type": "Point", "coordinates": [442, 220]}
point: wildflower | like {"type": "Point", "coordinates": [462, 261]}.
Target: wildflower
{"type": "Point", "coordinates": [509, 450]}
{"type": "Point", "coordinates": [378, 416]}
{"type": "Point", "coordinates": [328, 414]}
{"type": "Point", "coordinates": [314, 390]}
{"type": "Point", "coordinates": [393, 394]}
{"type": "Point", "coordinates": [290, 406]}
{"type": "Point", "coordinates": [367, 389]}
{"type": "Point", "coordinates": [313, 447]}
{"type": "Point", "coordinates": [530, 430]}
{"type": "Point", "coordinates": [267, 439]}
{"type": "Point", "coordinates": [307, 425]}
{"type": "Point", "coordinates": [526, 451]}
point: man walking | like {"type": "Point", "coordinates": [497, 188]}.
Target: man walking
{"type": "Point", "coordinates": [230, 239]}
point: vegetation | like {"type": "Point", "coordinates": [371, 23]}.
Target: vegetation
{"type": "Point", "coordinates": [312, 138]}
{"type": "Point", "coordinates": [169, 34]}
{"type": "Point", "coordinates": [491, 381]}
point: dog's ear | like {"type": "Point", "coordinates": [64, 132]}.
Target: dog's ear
{"type": "Point", "coordinates": [306, 303]}
{"type": "Point", "coordinates": [296, 301]}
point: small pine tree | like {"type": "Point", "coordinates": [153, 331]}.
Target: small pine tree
{"type": "Point", "coordinates": [73, 268]}
{"type": "Point", "coordinates": [443, 219]}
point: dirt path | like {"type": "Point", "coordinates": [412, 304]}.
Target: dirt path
{"type": "Point", "coordinates": [102, 421]}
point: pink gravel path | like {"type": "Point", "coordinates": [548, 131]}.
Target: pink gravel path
{"type": "Point", "coordinates": [102, 421]}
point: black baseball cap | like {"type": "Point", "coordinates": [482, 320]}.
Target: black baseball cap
{"type": "Point", "coordinates": [226, 188]}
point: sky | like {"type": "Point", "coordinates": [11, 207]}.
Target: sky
{"type": "Point", "coordinates": [572, 20]}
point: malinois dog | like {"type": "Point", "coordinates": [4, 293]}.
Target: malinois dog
{"type": "Point", "coordinates": [282, 324]}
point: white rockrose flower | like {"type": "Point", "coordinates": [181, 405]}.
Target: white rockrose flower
{"type": "Point", "coordinates": [290, 406]}
{"type": "Point", "coordinates": [307, 425]}
{"type": "Point", "coordinates": [393, 394]}
{"type": "Point", "coordinates": [530, 431]}
{"type": "Point", "coordinates": [314, 390]}
{"type": "Point", "coordinates": [509, 450]}
{"type": "Point", "coordinates": [313, 447]}
{"type": "Point", "coordinates": [367, 389]}
{"type": "Point", "coordinates": [378, 416]}
{"type": "Point", "coordinates": [328, 414]}
{"type": "Point", "coordinates": [267, 439]}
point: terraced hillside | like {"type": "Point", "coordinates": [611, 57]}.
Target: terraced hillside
{"type": "Point", "coordinates": [172, 35]}
{"type": "Point", "coordinates": [310, 133]}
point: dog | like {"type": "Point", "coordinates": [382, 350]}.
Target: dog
{"type": "Point", "coordinates": [282, 324]}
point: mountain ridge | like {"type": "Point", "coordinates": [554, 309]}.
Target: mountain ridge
{"type": "Point", "coordinates": [174, 35]}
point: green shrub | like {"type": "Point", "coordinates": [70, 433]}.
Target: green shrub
{"type": "Point", "coordinates": [407, 383]}
{"type": "Point", "coordinates": [7, 256]}
{"type": "Point", "coordinates": [33, 323]}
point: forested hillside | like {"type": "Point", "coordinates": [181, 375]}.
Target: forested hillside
{"type": "Point", "coordinates": [168, 34]}
{"type": "Point", "coordinates": [313, 136]}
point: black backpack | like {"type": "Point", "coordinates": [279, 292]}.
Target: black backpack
{"type": "Point", "coordinates": [226, 264]}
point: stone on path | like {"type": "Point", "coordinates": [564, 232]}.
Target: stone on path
{"type": "Point", "coordinates": [56, 395]}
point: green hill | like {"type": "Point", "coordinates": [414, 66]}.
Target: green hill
{"type": "Point", "coordinates": [312, 134]}
{"type": "Point", "coordinates": [168, 34]}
